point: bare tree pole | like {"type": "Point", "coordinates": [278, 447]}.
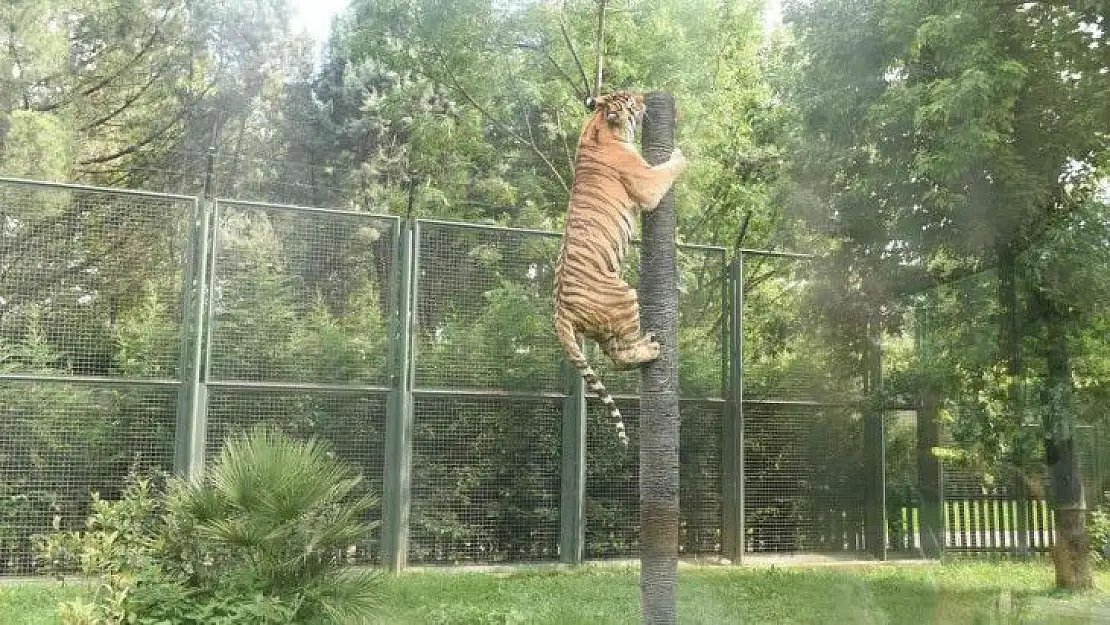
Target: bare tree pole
{"type": "Point", "coordinates": [600, 45]}
{"type": "Point", "coordinates": [659, 418]}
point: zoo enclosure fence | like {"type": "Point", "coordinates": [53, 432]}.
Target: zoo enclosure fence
{"type": "Point", "coordinates": [137, 330]}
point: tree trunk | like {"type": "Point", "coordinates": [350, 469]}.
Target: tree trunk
{"type": "Point", "coordinates": [1009, 343]}
{"type": "Point", "coordinates": [1071, 553]}
{"type": "Point", "coordinates": [659, 418]}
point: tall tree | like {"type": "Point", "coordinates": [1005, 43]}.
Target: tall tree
{"type": "Point", "coordinates": [659, 411]}
{"type": "Point", "coordinates": [133, 93]}
{"type": "Point", "coordinates": [939, 138]}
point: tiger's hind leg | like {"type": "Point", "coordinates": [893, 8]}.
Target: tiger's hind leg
{"type": "Point", "coordinates": [621, 339]}
{"type": "Point", "coordinates": [630, 354]}
{"type": "Point", "coordinates": [627, 347]}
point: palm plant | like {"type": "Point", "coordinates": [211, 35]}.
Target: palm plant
{"type": "Point", "coordinates": [274, 516]}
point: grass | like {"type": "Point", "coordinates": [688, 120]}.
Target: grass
{"type": "Point", "coordinates": [33, 603]}
{"type": "Point", "coordinates": [961, 593]}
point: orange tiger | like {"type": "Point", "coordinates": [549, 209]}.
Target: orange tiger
{"type": "Point", "coordinates": [612, 184]}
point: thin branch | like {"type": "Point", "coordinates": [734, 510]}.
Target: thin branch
{"type": "Point", "coordinates": [497, 122]}
{"type": "Point", "coordinates": [131, 149]}
{"type": "Point", "coordinates": [758, 280]}
{"type": "Point", "coordinates": [574, 53]}
{"type": "Point", "coordinates": [105, 81]}
{"type": "Point", "coordinates": [600, 44]}
{"type": "Point", "coordinates": [551, 59]}
{"type": "Point", "coordinates": [127, 103]}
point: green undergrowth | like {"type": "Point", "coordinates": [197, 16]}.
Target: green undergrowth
{"type": "Point", "coordinates": [976, 593]}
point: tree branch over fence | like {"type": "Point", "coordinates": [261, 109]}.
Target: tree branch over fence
{"type": "Point", "coordinates": [496, 121]}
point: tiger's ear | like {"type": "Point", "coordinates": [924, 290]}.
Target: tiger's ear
{"type": "Point", "coordinates": [590, 102]}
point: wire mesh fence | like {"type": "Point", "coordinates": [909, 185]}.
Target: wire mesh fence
{"type": "Point", "coordinates": [300, 295]}
{"type": "Point", "coordinates": [422, 352]}
{"type": "Point", "coordinates": [483, 309]}
{"type": "Point", "coordinates": [804, 450]}
{"type": "Point", "coordinates": [485, 482]}
{"type": "Point", "coordinates": [64, 441]}
{"type": "Point", "coordinates": [84, 268]}
{"type": "Point", "coordinates": [805, 476]}
{"type": "Point", "coordinates": [91, 284]}
{"type": "Point", "coordinates": [612, 484]}
{"type": "Point", "coordinates": [700, 500]}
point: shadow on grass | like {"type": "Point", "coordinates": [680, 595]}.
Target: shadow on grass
{"type": "Point", "coordinates": [942, 595]}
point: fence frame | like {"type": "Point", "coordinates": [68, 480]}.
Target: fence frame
{"type": "Point", "coordinates": [194, 381]}
{"type": "Point", "coordinates": [196, 255]}
{"type": "Point", "coordinates": [195, 375]}
{"type": "Point", "coordinates": [733, 534]}
{"type": "Point", "coordinates": [399, 420]}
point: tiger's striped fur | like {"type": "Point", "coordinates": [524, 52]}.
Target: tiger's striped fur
{"type": "Point", "coordinates": [612, 184]}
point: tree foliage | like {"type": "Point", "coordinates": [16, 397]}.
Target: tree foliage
{"type": "Point", "coordinates": [945, 139]}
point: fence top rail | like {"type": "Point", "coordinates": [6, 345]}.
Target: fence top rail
{"type": "Point", "coordinates": [545, 233]}
{"type": "Point", "coordinates": [323, 387]}
{"type": "Point", "coordinates": [85, 187]}
{"type": "Point", "coordinates": [308, 209]}
{"type": "Point", "coordinates": [777, 254]}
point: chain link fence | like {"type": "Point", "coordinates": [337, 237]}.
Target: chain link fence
{"type": "Point", "coordinates": [91, 285]}
{"type": "Point", "coordinates": [138, 330]}
{"type": "Point", "coordinates": [803, 429]}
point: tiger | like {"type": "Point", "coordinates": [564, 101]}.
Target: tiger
{"type": "Point", "coordinates": [612, 185]}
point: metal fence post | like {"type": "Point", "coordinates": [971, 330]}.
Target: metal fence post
{"type": "Point", "coordinates": [191, 432]}
{"type": "Point", "coordinates": [874, 449]}
{"type": "Point", "coordinates": [732, 443]}
{"type": "Point", "coordinates": [396, 501]}
{"type": "Point", "coordinates": [930, 485]}
{"type": "Point", "coordinates": [572, 504]}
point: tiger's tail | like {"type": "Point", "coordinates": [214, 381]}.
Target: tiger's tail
{"type": "Point", "coordinates": [569, 338]}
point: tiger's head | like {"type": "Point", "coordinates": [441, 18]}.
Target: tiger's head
{"type": "Point", "coordinates": [622, 111]}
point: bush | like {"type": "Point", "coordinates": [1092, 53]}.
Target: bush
{"type": "Point", "coordinates": [259, 538]}
{"type": "Point", "coordinates": [1098, 528]}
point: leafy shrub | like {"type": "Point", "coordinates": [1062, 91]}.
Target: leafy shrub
{"type": "Point", "coordinates": [259, 539]}
{"type": "Point", "coordinates": [1098, 528]}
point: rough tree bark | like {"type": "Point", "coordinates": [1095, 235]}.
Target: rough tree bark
{"type": "Point", "coordinates": [659, 418]}
{"type": "Point", "coordinates": [1071, 553]}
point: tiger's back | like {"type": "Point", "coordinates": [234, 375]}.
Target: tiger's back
{"type": "Point", "coordinates": [612, 184]}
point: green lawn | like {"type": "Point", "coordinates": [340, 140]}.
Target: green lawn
{"type": "Point", "coordinates": [32, 603]}
{"type": "Point", "coordinates": [956, 593]}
